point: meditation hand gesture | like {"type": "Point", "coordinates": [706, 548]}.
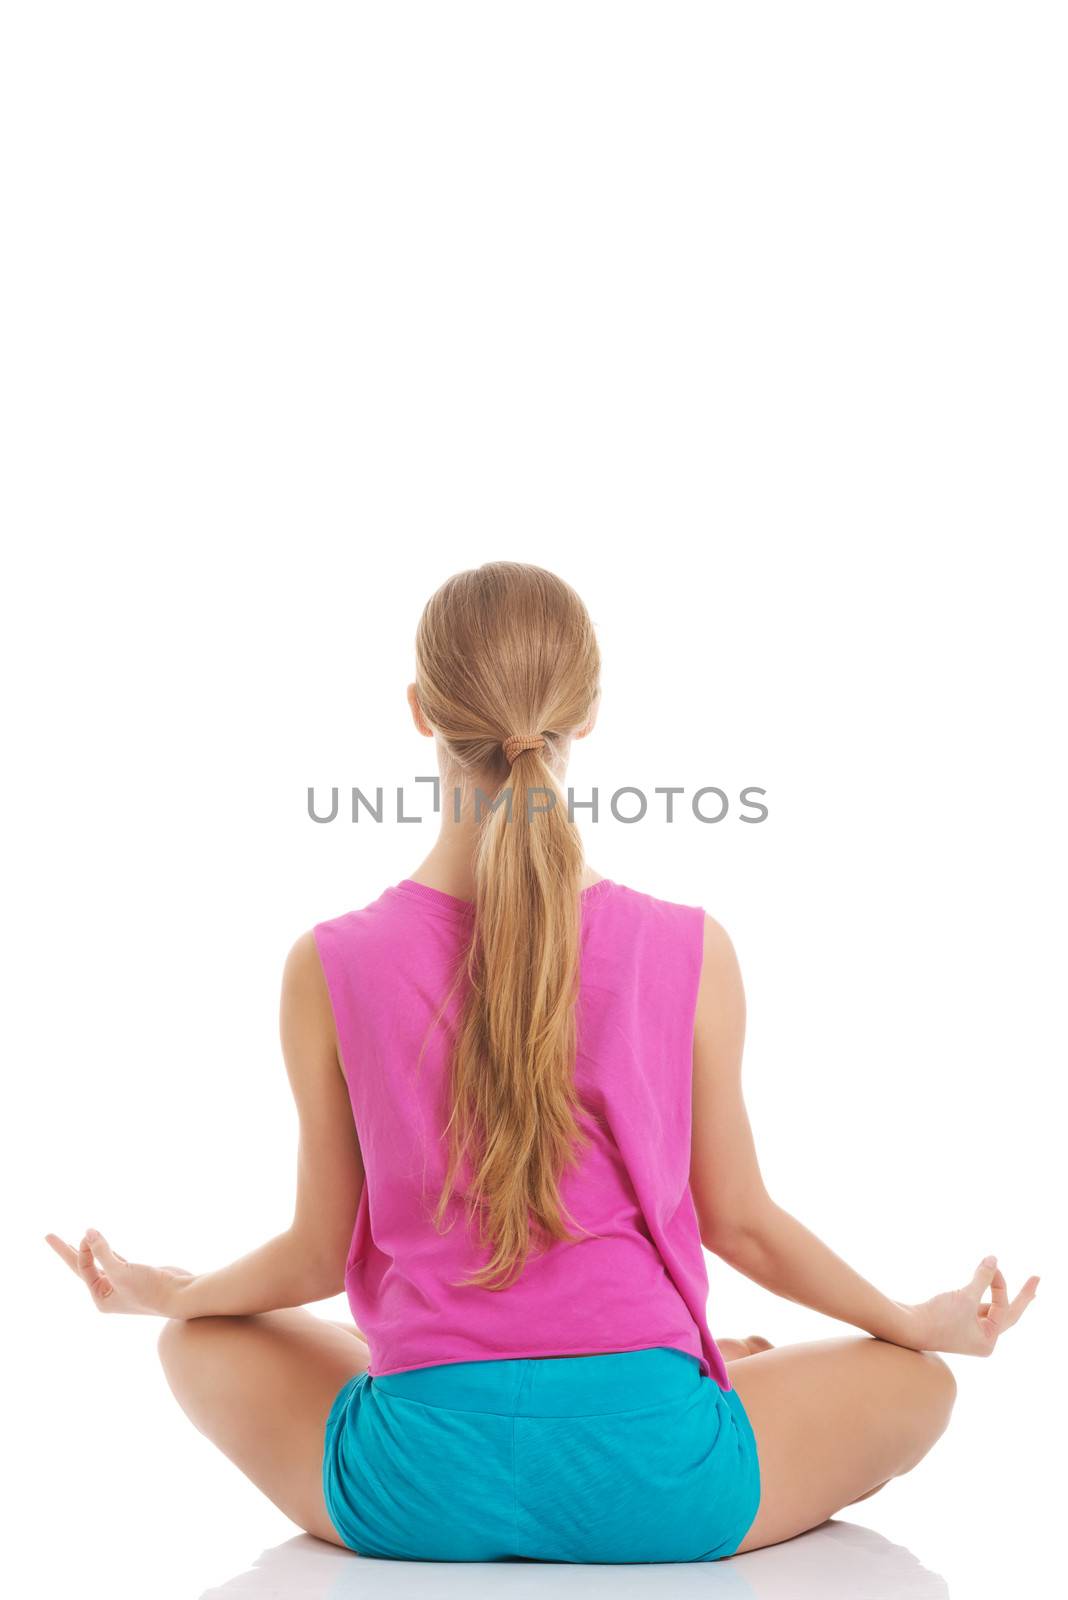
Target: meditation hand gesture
{"type": "Point", "coordinates": [116, 1284]}
{"type": "Point", "coordinates": [962, 1322]}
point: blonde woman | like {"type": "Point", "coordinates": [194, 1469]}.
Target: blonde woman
{"type": "Point", "coordinates": [521, 1123]}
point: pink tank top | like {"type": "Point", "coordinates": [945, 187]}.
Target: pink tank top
{"type": "Point", "coordinates": [643, 1280]}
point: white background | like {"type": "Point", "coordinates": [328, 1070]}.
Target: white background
{"type": "Point", "coordinates": [748, 321]}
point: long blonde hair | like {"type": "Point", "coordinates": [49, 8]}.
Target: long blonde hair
{"type": "Point", "coordinates": [501, 650]}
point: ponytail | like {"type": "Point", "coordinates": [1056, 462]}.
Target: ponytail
{"type": "Point", "coordinates": [501, 650]}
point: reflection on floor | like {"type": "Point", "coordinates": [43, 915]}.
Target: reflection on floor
{"type": "Point", "coordinates": [838, 1561]}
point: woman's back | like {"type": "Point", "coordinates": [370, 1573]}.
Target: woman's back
{"type": "Point", "coordinates": [636, 1277]}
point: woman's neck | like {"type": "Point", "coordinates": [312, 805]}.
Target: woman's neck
{"type": "Point", "coordinates": [438, 871]}
{"type": "Point", "coordinates": [450, 865]}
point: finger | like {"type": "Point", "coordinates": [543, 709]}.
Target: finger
{"type": "Point", "coordinates": [998, 1295]}
{"type": "Point", "coordinates": [103, 1251]}
{"type": "Point", "coordinates": [1002, 1316]}
{"type": "Point", "coordinates": [1016, 1310]}
{"type": "Point", "coordinates": [996, 1309]}
{"type": "Point", "coordinates": [63, 1251]}
{"type": "Point", "coordinates": [992, 1320]}
{"type": "Point", "coordinates": [99, 1286]}
{"type": "Point", "coordinates": [983, 1276]}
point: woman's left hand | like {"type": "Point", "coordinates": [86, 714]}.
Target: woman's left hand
{"type": "Point", "coordinates": [961, 1322]}
{"type": "Point", "coordinates": [116, 1284]}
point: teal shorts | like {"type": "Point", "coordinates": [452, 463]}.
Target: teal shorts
{"type": "Point", "coordinates": [630, 1457]}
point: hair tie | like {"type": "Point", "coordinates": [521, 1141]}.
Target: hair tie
{"type": "Point", "coordinates": [518, 742]}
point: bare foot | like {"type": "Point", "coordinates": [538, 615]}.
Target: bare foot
{"type": "Point", "coordinates": [738, 1349]}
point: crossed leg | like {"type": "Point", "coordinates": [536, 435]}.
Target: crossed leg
{"type": "Point", "coordinates": [260, 1387]}
{"type": "Point", "coordinates": [834, 1419]}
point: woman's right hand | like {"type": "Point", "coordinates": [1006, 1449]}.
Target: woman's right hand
{"type": "Point", "coordinates": [961, 1322]}
{"type": "Point", "coordinates": [118, 1285]}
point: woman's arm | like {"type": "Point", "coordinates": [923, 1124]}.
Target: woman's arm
{"type": "Point", "coordinates": [307, 1261]}
{"type": "Point", "coordinates": [740, 1222]}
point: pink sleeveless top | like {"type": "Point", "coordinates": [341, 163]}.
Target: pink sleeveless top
{"type": "Point", "coordinates": [643, 1280]}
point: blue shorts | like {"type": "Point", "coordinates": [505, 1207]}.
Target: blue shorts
{"type": "Point", "coordinates": [629, 1457]}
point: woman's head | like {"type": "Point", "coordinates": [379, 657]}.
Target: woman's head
{"type": "Point", "coordinates": [502, 651]}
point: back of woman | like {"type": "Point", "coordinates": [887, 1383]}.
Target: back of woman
{"type": "Point", "coordinates": [526, 1264]}
{"type": "Point", "coordinates": [636, 1276]}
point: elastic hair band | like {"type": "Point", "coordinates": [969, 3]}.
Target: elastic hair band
{"type": "Point", "coordinates": [518, 742]}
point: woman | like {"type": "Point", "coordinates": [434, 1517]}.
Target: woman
{"type": "Point", "coordinates": [521, 1118]}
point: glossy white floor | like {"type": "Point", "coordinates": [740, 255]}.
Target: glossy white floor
{"type": "Point", "coordinates": [117, 1496]}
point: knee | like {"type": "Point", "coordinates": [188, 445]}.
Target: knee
{"type": "Point", "coordinates": [171, 1339]}
{"type": "Point", "coordinates": [179, 1336]}
{"type": "Point", "coordinates": [943, 1383]}
{"type": "Point", "coordinates": [937, 1393]}
{"type": "Point", "coordinates": [196, 1341]}
{"type": "Point", "coordinates": [921, 1401]}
